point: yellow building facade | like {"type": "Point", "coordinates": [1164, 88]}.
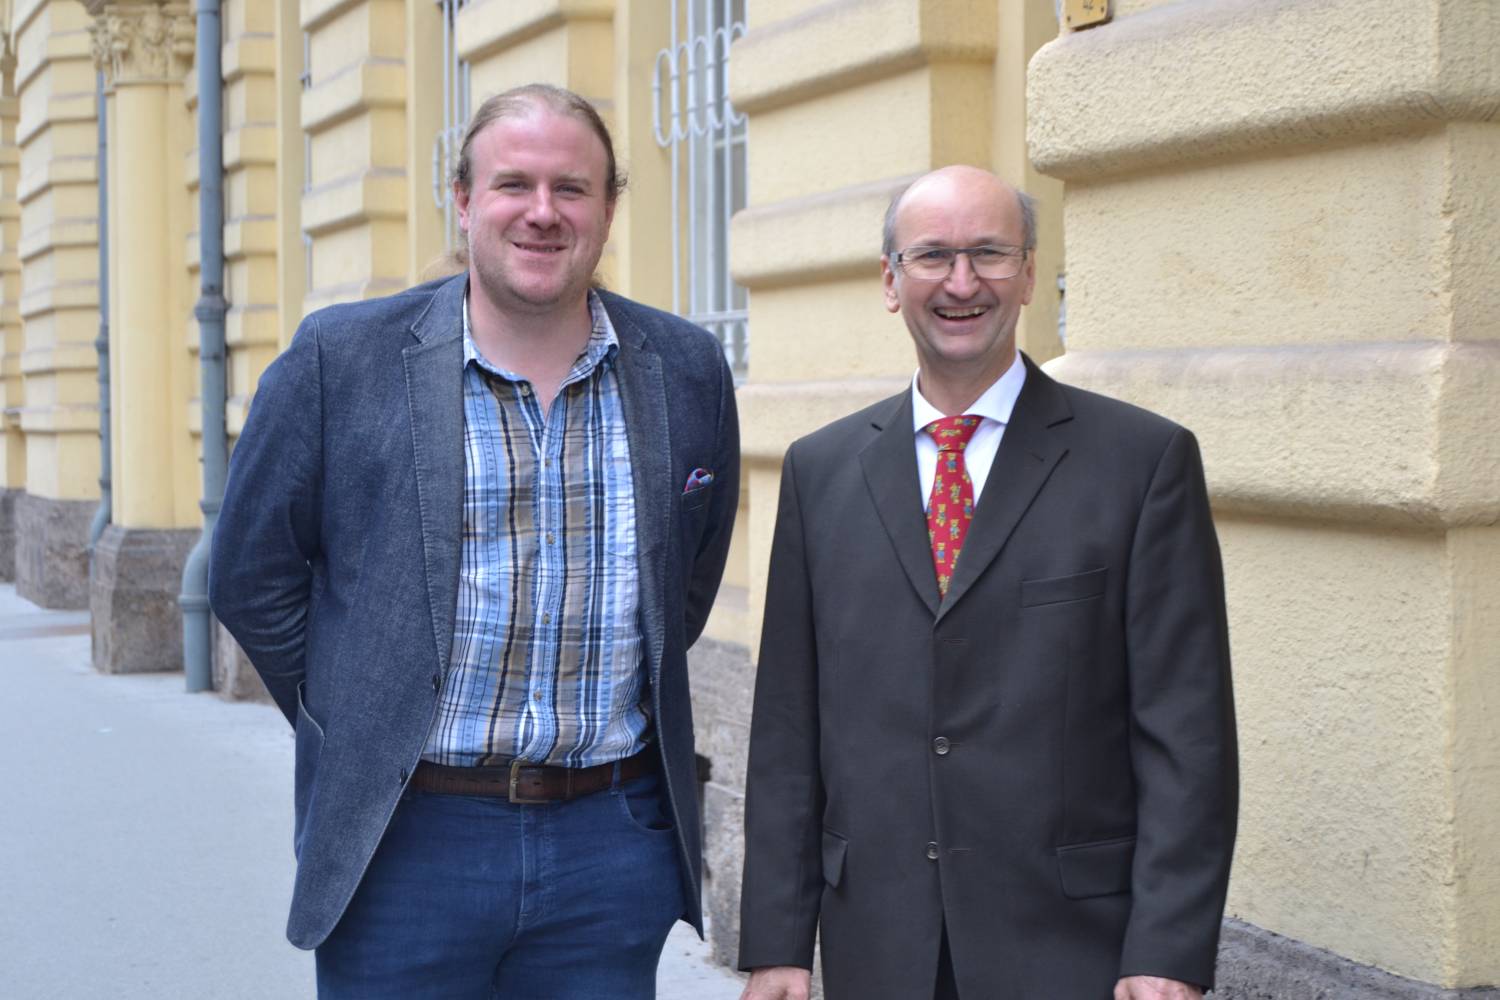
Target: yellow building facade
{"type": "Point", "coordinates": [1280, 228]}
{"type": "Point", "coordinates": [1283, 232]}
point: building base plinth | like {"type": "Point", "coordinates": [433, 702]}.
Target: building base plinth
{"type": "Point", "coordinates": [52, 562]}
{"type": "Point", "coordinates": [1255, 964]}
{"type": "Point", "coordinates": [234, 677]}
{"type": "Point", "coordinates": [137, 575]}
{"type": "Point", "coordinates": [8, 534]}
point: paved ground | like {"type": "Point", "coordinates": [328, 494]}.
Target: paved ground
{"type": "Point", "coordinates": [146, 836]}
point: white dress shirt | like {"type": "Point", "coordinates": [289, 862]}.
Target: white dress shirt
{"type": "Point", "coordinates": [994, 409]}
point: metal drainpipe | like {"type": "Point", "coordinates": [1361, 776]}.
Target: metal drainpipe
{"type": "Point", "coordinates": [197, 622]}
{"type": "Point", "coordinates": [106, 499]}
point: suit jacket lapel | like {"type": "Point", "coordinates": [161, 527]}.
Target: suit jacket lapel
{"type": "Point", "coordinates": [643, 397]}
{"type": "Point", "coordinates": [1028, 453]}
{"type": "Point", "coordinates": [890, 467]}
{"type": "Point", "coordinates": [434, 393]}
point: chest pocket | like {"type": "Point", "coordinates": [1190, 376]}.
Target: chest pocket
{"type": "Point", "coordinates": [1062, 589]}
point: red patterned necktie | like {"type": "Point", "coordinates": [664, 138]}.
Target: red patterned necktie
{"type": "Point", "coordinates": [951, 506]}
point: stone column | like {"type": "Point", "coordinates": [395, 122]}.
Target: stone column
{"type": "Point", "coordinates": [425, 240]}
{"type": "Point", "coordinates": [12, 441]}
{"type": "Point", "coordinates": [251, 277]}
{"type": "Point", "coordinates": [145, 48]}
{"type": "Point", "coordinates": [1283, 230]}
{"type": "Point", "coordinates": [641, 236]}
{"type": "Point", "coordinates": [252, 325]}
{"type": "Point", "coordinates": [354, 207]}
{"type": "Point", "coordinates": [291, 255]}
{"type": "Point", "coordinates": [57, 138]}
{"type": "Point", "coordinates": [848, 103]}
{"type": "Point", "coordinates": [264, 42]}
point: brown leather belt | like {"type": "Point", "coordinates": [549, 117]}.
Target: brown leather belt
{"type": "Point", "coordinates": [522, 782]}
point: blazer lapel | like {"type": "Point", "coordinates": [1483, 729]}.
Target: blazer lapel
{"type": "Point", "coordinates": [434, 394]}
{"type": "Point", "coordinates": [890, 467]}
{"type": "Point", "coordinates": [1028, 453]}
{"type": "Point", "coordinates": [643, 397]}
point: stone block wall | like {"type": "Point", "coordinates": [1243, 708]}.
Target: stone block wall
{"type": "Point", "coordinates": [56, 142]}
{"type": "Point", "coordinates": [1229, 167]}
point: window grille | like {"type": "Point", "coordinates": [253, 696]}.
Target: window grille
{"type": "Point", "coordinates": [706, 137]}
{"type": "Point", "coordinates": [447, 143]}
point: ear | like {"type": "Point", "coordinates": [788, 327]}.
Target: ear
{"type": "Point", "coordinates": [461, 202]}
{"type": "Point", "coordinates": [1028, 274]}
{"type": "Point", "coordinates": [609, 215]}
{"type": "Point", "coordinates": [888, 280]}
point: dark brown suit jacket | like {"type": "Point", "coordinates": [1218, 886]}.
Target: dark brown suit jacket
{"type": "Point", "coordinates": [1045, 760]}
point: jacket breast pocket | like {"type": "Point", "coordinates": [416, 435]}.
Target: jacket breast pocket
{"type": "Point", "coordinates": [1061, 589]}
{"type": "Point", "coordinates": [1100, 868]}
{"type": "Point", "coordinates": [309, 750]}
{"type": "Point", "coordinates": [697, 499]}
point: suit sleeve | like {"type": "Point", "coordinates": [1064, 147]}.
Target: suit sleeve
{"type": "Point", "coordinates": [713, 549]}
{"type": "Point", "coordinates": [267, 537]}
{"type": "Point", "coordinates": [1183, 744]}
{"type": "Point", "coordinates": [784, 799]}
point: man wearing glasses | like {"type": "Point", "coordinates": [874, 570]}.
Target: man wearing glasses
{"type": "Point", "coordinates": [993, 751]}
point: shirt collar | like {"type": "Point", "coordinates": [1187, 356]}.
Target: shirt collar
{"type": "Point", "coordinates": [995, 404]}
{"type": "Point", "coordinates": [603, 345]}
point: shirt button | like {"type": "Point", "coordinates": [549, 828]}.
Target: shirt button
{"type": "Point", "coordinates": [932, 852]}
{"type": "Point", "coordinates": [941, 746]}
{"type": "Point", "coordinates": [537, 696]}
{"type": "Point", "coordinates": [551, 538]}
{"type": "Point", "coordinates": [546, 618]}
{"type": "Point", "coordinates": [525, 389]}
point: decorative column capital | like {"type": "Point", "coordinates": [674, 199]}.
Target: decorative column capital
{"type": "Point", "coordinates": [142, 41]}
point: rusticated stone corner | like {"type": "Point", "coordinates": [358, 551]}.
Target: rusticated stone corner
{"type": "Point", "coordinates": [8, 535]}
{"type": "Point", "coordinates": [1255, 964]}
{"type": "Point", "coordinates": [137, 575]}
{"type": "Point", "coordinates": [234, 677]}
{"type": "Point", "coordinates": [51, 560]}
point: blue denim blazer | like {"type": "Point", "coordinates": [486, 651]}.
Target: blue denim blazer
{"type": "Point", "coordinates": [336, 556]}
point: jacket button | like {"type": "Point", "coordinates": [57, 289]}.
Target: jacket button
{"type": "Point", "coordinates": [437, 683]}
{"type": "Point", "coordinates": [932, 852]}
{"type": "Point", "coordinates": [403, 776]}
{"type": "Point", "coordinates": [940, 746]}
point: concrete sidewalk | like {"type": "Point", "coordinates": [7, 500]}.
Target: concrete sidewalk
{"type": "Point", "coordinates": [146, 835]}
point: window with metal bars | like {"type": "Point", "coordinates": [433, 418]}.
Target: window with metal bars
{"type": "Point", "coordinates": [706, 136]}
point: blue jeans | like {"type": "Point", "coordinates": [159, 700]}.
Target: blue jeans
{"type": "Point", "coordinates": [472, 897]}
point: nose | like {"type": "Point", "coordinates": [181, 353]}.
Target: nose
{"type": "Point", "coordinates": [963, 282]}
{"type": "Point", "coordinates": [542, 211]}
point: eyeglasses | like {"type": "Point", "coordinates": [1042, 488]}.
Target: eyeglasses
{"type": "Point", "coordinates": [935, 263]}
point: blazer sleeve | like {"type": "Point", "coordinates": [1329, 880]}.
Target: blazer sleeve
{"type": "Point", "coordinates": [784, 798]}
{"type": "Point", "coordinates": [267, 537]}
{"type": "Point", "coordinates": [1183, 744]}
{"type": "Point", "coordinates": [724, 503]}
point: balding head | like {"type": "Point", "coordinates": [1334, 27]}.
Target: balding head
{"type": "Point", "coordinates": [968, 183]}
{"type": "Point", "coordinates": [962, 312]}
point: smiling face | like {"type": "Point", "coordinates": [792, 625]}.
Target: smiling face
{"type": "Point", "coordinates": [537, 212]}
{"type": "Point", "coordinates": [964, 326]}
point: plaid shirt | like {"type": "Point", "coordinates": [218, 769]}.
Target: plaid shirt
{"type": "Point", "coordinates": [546, 642]}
